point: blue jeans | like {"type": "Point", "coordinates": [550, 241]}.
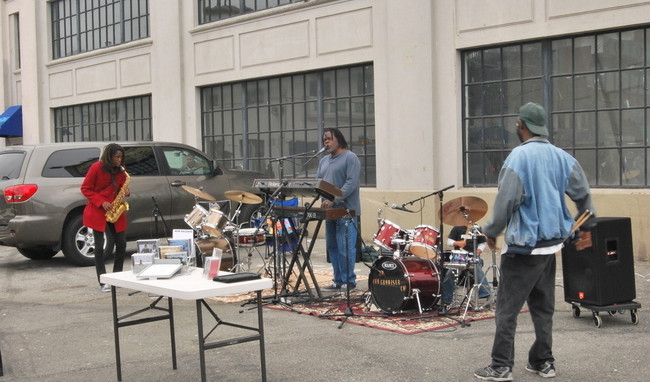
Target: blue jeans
{"type": "Point", "coordinates": [531, 279]}
{"type": "Point", "coordinates": [449, 284]}
{"type": "Point", "coordinates": [342, 255]}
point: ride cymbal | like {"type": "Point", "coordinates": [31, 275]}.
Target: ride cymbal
{"type": "Point", "coordinates": [198, 193]}
{"type": "Point", "coordinates": [242, 197]}
{"type": "Point", "coordinates": [463, 210]}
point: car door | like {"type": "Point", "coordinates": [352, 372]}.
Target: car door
{"type": "Point", "coordinates": [150, 200]}
{"type": "Point", "coordinates": [190, 168]}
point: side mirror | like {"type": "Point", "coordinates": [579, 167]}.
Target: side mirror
{"type": "Point", "coordinates": [216, 168]}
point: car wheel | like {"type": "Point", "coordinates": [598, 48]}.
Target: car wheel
{"type": "Point", "coordinates": [37, 253]}
{"type": "Point", "coordinates": [246, 213]}
{"type": "Point", "coordinates": [78, 243]}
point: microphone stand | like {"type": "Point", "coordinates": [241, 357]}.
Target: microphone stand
{"type": "Point", "coordinates": [156, 212]}
{"type": "Point", "coordinates": [348, 310]}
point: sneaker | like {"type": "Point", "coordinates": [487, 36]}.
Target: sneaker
{"type": "Point", "coordinates": [345, 287]}
{"type": "Point", "coordinates": [104, 288]}
{"type": "Point", "coordinates": [331, 287]}
{"type": "Point", "coordinates": [489, 373]}
{"type": "Point", "coordinates": [546, 370]}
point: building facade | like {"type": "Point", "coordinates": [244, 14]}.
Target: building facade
{"type": "Point", "coordinates": [426, 91]}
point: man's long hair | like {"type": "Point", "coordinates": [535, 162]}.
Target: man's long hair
{"type": "Point", "coordinates": [107, 157]}
{"type": "Point", "coordinates": [338, 135]}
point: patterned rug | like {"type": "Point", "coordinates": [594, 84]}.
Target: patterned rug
{"type": "Point", "coordinates": [322, 278]}
{"type": "Point", "coordinates": [366, 314]}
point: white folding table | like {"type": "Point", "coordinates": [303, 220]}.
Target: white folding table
{"type": "Point", "coordinates": [189, 286]}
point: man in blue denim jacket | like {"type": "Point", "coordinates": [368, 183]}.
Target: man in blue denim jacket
{"type": "Point", "coordinates": [531, 206]}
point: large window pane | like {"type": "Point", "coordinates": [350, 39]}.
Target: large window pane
{"type": "Point", "coordinates": [96, 24]}
{"type": "Point", "coordinates": [562, 55]}
{"type": "Point", "coordinates": [632, 88]}
{"type": "Point", "coordinates": [115, 120]}
{"type": "Point", "coordinates": [286, 115]}
{"type": "Point", "coordinates": [511, 62]}
{"type": "Point", "coordinates": [594, 88]}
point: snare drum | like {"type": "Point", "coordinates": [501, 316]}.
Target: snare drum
{"type": "Point", "coordinates": [195, 218]}
{"type": "Point", "coordinates": [215, 222]}
{"type": "Point", "coordinates": [251, 237]}
{"type": "Point", "coordinates": [396, 285]}
{"type": "Point", "coordinates": [457, 259]}
{"type": "Point", "coordinates": [424, 242]}
{"type": "Point", "coordinates": [390, 236]}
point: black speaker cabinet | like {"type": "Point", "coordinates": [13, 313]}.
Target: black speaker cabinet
{"type": "Point", "coordinates": [604, 273]}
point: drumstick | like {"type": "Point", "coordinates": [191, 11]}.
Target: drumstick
{"type": "Point", "coordinates": [581, 220]}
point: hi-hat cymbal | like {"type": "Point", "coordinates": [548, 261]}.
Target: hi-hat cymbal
{"type": "Point", "coordinates": [463, 210]}
{"type": "Point", "coordinates": [198, 193]}
{"type": "Point", "coordinates": [242, 196]}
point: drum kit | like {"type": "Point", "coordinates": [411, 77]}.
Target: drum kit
{"type": "Point", "coordinates": [408, 274]}
{"type": "Point", "coordinates": [214, 228]}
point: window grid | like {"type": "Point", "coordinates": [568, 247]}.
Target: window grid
{"type": "Point", "coordinates": [215, 10]}
{"type": "Point", "coordinates": [282, 117]}
{"type": "Point", "coordinates": [85, 25]}
{"type": "Point", "coordinates": [127, 119]}
{"type": "Point", "coordinates": [594, 88]}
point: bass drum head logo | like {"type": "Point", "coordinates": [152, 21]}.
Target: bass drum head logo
{"type": "Point", "coordinates": [389, 265]}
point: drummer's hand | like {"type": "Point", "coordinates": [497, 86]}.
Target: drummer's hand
{"type": "Point", "coordinates": [462, 243]}
{"type": "Point", "coordinates": [492, 243]}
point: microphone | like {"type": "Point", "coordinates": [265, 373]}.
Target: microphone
{"type": "Point", "coordinates": [401, 208]}
{"type": "Point", "coordinates": [322, 150]}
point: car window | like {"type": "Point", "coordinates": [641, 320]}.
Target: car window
{"type": "Point", "coordinates": [140, 161]}
{"type": "Point", "coordinates": [10, 164]}
{"type": "Point", "coordinates": [70, 163]}
{"type": "Point", "coordinates": [186, 162]}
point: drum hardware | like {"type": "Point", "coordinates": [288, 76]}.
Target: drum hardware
{"type": "Point", "coordinates": [242, 197]}
{"type": "Point", "coordinates": [198, 193]}
{"type": "Point", "coordinates": [461, 210]}
{"type": "Point", "coordinates": [391, 237]}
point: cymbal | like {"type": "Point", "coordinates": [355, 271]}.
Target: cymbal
{"type": "Point", "coordinates": [463, 210]}
{"type": "Point", "coordinates": [242, 197]}
{"type": "Point", "coordinates": [198, 193]}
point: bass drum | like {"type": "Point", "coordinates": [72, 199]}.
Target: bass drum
{"type": "Point", "coordinates": [393, 282]}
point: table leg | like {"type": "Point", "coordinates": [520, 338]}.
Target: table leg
{"type": "Point", "coordinates": [171, 332]}
{"type": "Point", "coordinates": [199, 320]}
{"type": "Point", "coordinates": [260, 324]}
{"type": "Point", "coordinates": [116, 333]}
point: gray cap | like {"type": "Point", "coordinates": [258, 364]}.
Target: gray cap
{"type": "Point", "coordinates": [535, 117]}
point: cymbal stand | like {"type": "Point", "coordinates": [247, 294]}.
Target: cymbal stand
{"type": "Point", "coordinates": [496, 275]}
{"type": "Point", "coordinates": [474, 291]}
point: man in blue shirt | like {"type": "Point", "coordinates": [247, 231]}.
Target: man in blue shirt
{"type": "Point", "coordinates": [343, 169]}
{"type": "Point", "coordinates": [531, 206]}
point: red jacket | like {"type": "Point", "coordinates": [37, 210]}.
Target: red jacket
{"type": "Point", "coordinates": [98, 187]}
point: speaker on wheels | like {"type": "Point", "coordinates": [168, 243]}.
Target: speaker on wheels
{"type": "Point", "coordinates": [602, 274]}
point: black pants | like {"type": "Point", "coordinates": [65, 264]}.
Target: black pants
{"type": "Point", "coordinates": [120, 250]}
{"type": "Point", "coordinates": [525, 279]}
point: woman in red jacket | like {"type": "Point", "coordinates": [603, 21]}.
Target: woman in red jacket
{"type": "Point", "coordinates": [101, 185]}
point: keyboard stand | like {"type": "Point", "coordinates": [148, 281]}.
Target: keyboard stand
{"type": "Point", "coordinates": [299, 252]}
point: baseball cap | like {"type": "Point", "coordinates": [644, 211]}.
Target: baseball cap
{"type": "Point", "coordinates": [535, 117]}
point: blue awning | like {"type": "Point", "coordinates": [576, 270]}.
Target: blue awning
{"type": "Point", "coordinates": [11, 122]}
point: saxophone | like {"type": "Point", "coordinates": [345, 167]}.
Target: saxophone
{"type": "Point", "coordinates": [119, 205]}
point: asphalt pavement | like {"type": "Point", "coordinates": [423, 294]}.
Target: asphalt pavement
{"type": "Point", "coordinates": [57, 326]}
